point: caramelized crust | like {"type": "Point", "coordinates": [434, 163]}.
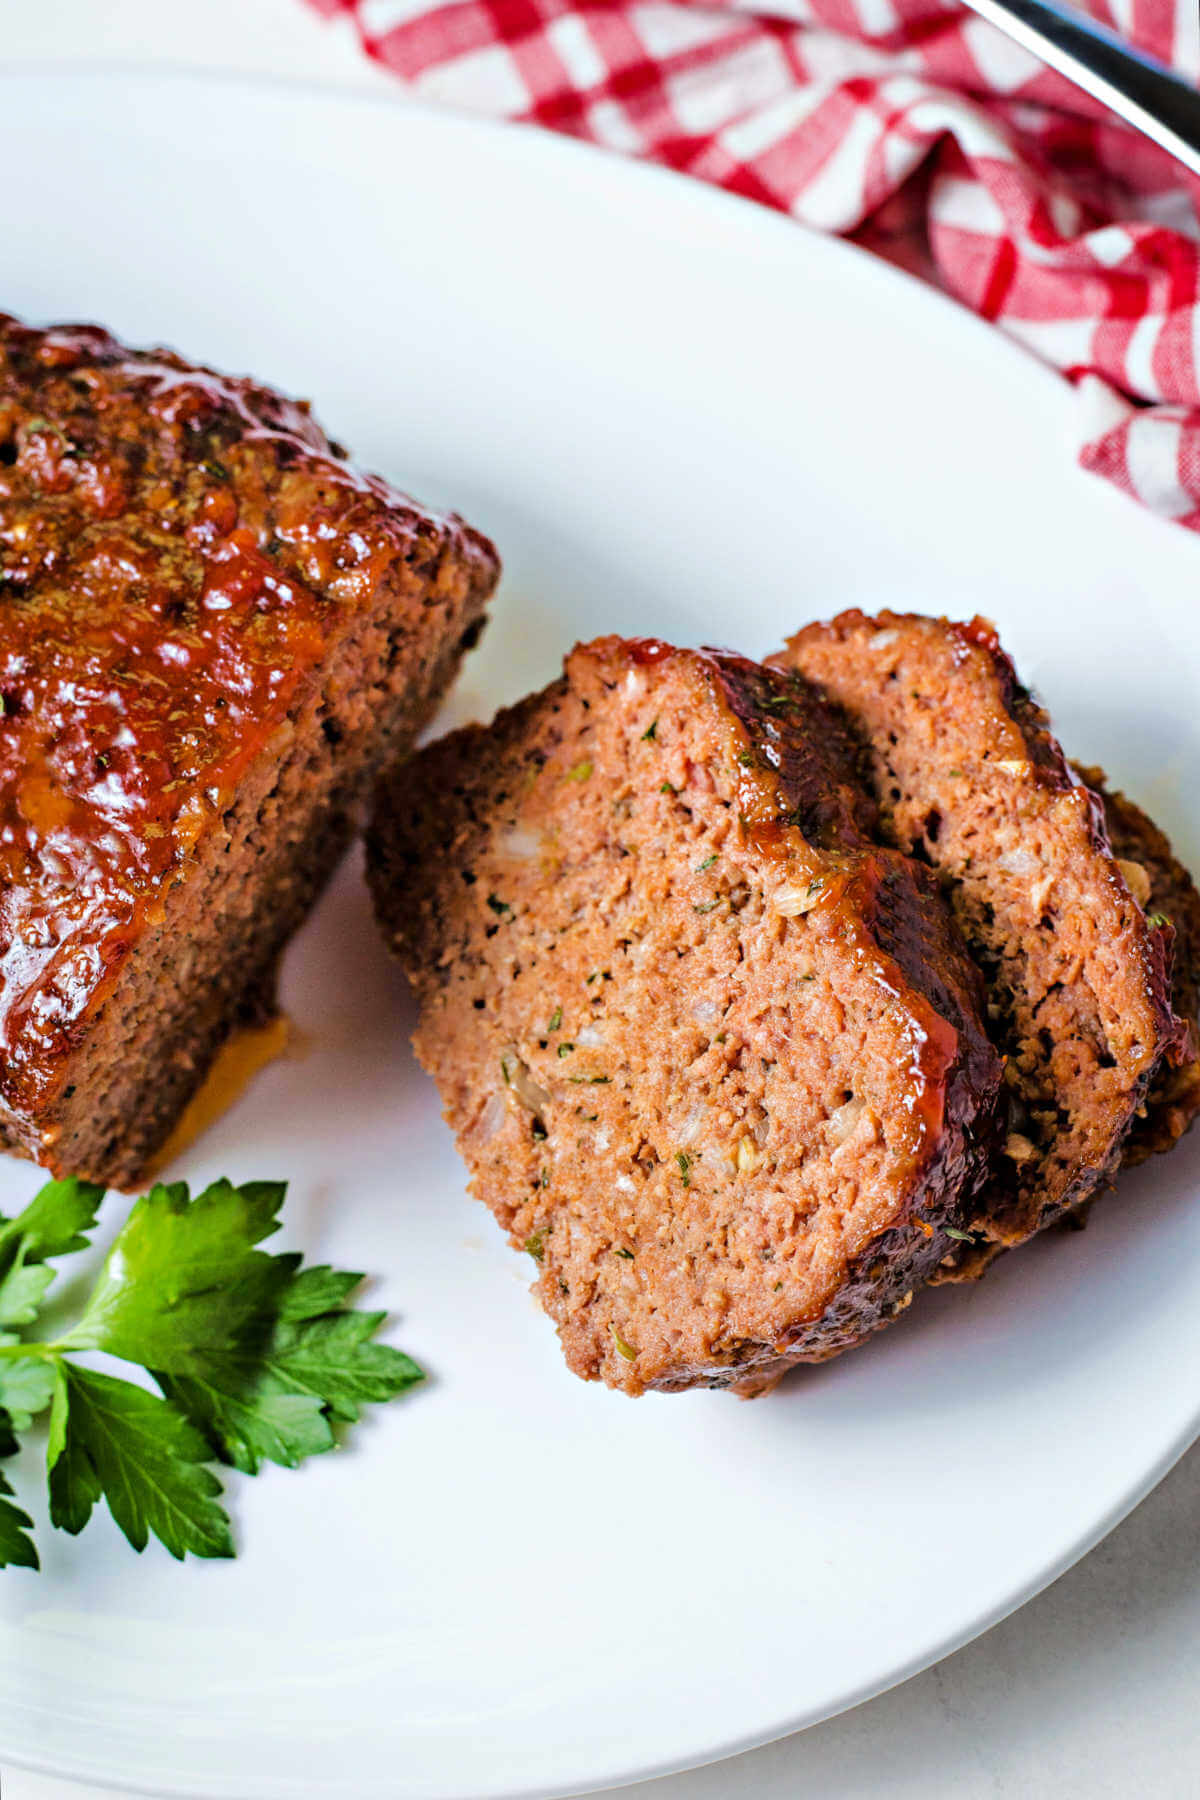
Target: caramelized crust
{"type": "Point", "coordinates": [1166, 891]}
{"type": "Point", "coordinates": [188, 569]}
{"type": "Point", "coordinates": [713, 1058]}
{"type": "Point", "coordinates": [969, 777]}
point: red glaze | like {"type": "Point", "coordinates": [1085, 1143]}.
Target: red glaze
{"type": "Point", "coordinates": [177, 552]}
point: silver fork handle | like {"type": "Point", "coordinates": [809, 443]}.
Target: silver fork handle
{"type": "Point", "coordinates": [1140, 91]}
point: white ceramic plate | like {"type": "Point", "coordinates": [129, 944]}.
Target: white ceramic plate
{"type": "Point", "coordinates": [676, 413]}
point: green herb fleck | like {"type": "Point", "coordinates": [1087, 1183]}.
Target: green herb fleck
{"type": "Point", "coordinates": [590, 1080]}
{"type": "Point", "coordinates": [963, 1237]}
{"type": "Point", "coordinates": [580, 772]}
{"type": "Point", "coordinates": [666, 788]}
{"type": "Point", "coordinates": [651, 732]}
{"type": "Point", "coordinates": [685, 1167]}
{"type": "Point", "coordinates": [565, 1049]}
{"type": "Point", "coordinates": [545, 1179]}
{"type": "Point", "coordinates": [954, 771]}
{"type": "Point", "coordinates": [707, 906]}
{"type": "Point", "coordinates": [217, 470]}
{"type": "Point", "coordinates": [499, 906]}
{"type": "Point", "coordinates": [555, 1020]}
{"type": "Point", "coordinates": [1156, 919]}
{"type": "Point", "coordinates": [627, 1254]}
{"type": "Point", "coordinates": [535, 1244]}
{"type": "Point", "coordinates": [598, 975]}
{"type": "Point", "coordinates": [778, 1287]}
{"type": "Point", "coordinates": [504, 1071]}
{"type": "Point", "coordinates": [746, 758]}
{"type": "Point", "coordinates": [706, 864]}
{"type": "Point", "coordinates": [623, 1349]}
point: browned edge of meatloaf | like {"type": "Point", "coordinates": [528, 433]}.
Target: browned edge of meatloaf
{"type": "Point", "coordinates": [610, 931]}
{"type": "Point", "coordinates": [1164, 889]}
{"type": "Point", "coordinates": [209, 964]}
{"type": "Point", "coordinates": [970, 778]}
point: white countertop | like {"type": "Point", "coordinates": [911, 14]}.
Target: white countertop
{"type": "Point", "coordinates": [1089, 1692]}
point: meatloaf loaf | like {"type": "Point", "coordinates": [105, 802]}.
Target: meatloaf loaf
{"type": "Point", "coordinates": [969, 777]}
{"type": "Point", "coordinates": [1164, 889]}
{"type": "Point", "coordinates": [714, 1060]}
{"type": "Point", "coordinates": [213, 629]}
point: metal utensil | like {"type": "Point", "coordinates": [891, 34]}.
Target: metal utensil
{"type": "Point", "coordinates": [1136, 88]}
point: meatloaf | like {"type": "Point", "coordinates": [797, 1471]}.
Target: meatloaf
{"type": "Point", "coordinates": [714, 1060]}
{"type": "Point", "coordinates": [1164, 889]}
{"type": "Point", "coordinates": [213, 631]}
{"type": "Point", "coordinates": [969, 777]}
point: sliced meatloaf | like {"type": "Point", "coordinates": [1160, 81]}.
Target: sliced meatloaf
{"type": "Point", "coordinates": [1164, 889]}
{"type": "Point", "coordinates": [969, 777]}
{"type": "Point", "coordinates": [213, 630]}
{"type": "Point", "coordinates": [713, 1059]}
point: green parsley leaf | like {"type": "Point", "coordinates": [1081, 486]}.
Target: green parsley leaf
{"type": "Point", "coordinates": [183, 1280]}
{"type": "Point", "coordinates": [245, 1425]}
{"type": "Point", "coordinates": [312, 1292]}
{"type": "Point", "coordinates": [333, 1359]}
{"type": "Point", "coordinates": [22, 1290]}
{"type": "Point", "coordinates": [16, 1546]}
{"type": "Point", "coordinates": [55, 1221]}
{"type": "Point", "coordinates": [26, 1382]}
{"type": "Point", "coordinates": [256, 1357]}
{"type": "Point", "coordinates": [135, 1449]}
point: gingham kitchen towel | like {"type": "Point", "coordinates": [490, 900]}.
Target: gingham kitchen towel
{"type": "Point", "coordinates": [910, 125]}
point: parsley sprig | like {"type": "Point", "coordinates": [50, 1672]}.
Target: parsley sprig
{"type": "Point", "coordinates": [255, 1358]}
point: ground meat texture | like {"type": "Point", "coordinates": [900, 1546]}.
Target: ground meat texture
{"type": "Point", "coordinates": [713, 1059]}
{"type": "Point", "coordinates": [1165, 890]}
{"type": "Point", "coordinates": [213, 632]}
{"type": "Point", "coordinates": [969, 777]}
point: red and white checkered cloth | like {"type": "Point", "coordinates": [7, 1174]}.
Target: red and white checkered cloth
{"type": "Point", "coordinates": [913, 127]}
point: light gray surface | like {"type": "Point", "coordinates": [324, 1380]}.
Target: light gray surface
{"type": "Point", "coordinates": [1088, 1691]}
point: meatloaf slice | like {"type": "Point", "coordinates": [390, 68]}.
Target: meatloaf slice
{"type": "Point", "coordinates": [969, 777]}
{"type": "Point", "coordinates": [213, 631]}
{"type": "Point", "coordinates": [715, 1061]}
{"type": "Point", "coordinates": [1164, 889]}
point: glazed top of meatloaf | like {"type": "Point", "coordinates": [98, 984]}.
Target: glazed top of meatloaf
{"type": "Point", "coordinates": [970, 776]}
{"type": "Point", "coordinates": [713, 1058]}
{"type": "Point", "coordinates": [178, 550]}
